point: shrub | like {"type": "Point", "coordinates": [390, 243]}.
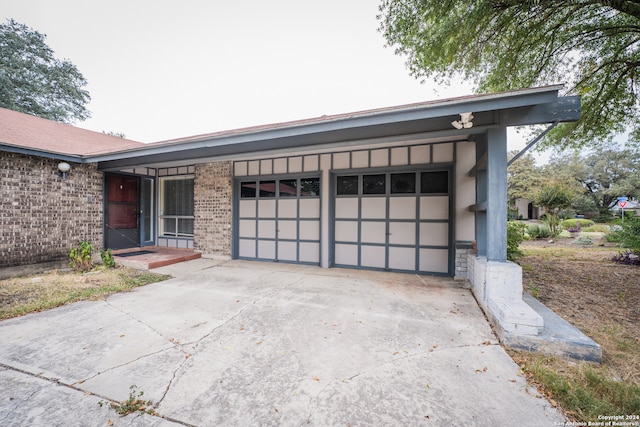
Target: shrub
{"type": "Point", "coordinates": [515, 236]}
{"type": "Point", "coordinates": [575, 222]}
{"type": "Point", "coordinates": [80, 256]}
{"type": "Point", "coordinates": [539, 231]}
{"type": "Point", "coordinates": [627, 233]}
{"type": "Point", "coordinates": [603, 217]}
{"type": "Point", "coordinates": [584, 241]}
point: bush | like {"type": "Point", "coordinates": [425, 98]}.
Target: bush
{"type": "Point", "coordinates": [515, 236]}
{"type": "Point", "coordinates": [80, 256]}
{"type": "Point", "coordinates": [603, 217]}
{"type": "Point", "coordinates": [539, 231]}
{"type": "Point", "coordinates": [627, 233]}
{"type": "Point", "coordinates": [576, 223]}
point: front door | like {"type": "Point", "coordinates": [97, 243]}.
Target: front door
{"type": "Point", "coordinates": [122, 226]}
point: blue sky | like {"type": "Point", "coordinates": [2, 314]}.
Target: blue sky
{"type": "Point", "coordinates": [164, 69]}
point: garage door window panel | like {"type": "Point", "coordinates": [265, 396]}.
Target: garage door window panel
{"type": "Point", "coordinates": [347, 185]}
{"type": "Point", "coordinates": [374, 184]}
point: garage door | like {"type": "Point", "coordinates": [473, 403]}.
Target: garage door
{"type": "Point", "coordinates": [279, 219]}
{"type": "Point", "coordinates": [393, 220]}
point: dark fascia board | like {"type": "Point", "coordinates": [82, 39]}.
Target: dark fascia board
{"type": "Point", "coordinates": [346, 125]}
{"type": "Point", "coordinates": [41, 153]}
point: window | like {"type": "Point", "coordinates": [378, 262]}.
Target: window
{"type": "Point", "coordinates": [267, 189]}
{"type": "Point", "coordinates": [309, 187]}
{"type": "Point", "coordinates": [288, 187]}
{"type": "Point", "coordinates": [374, 184]}
{"type": "Point", "coordinates": [434, 182]}
{"type": "Point", "coordinates": [248, 190]}
{"type": "Point", "coordinates": [176, 206]}
{"type": "Point", "coordinates": [403, 183]}
{"type": "Point", "coordinates": [347, 185]}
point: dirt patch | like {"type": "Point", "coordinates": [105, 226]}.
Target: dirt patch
{"type": "Point", "coordinates": [600, 297]}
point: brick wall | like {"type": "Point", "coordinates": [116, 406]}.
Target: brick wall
{"type": "Point", "coordinates": [42, 216]}
{"type": "Point", "coordinates": [212, 208]}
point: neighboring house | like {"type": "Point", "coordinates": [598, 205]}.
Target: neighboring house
{"type": "Point", "coordinates": [406, 188]}
{"type": "Point", "coordinates": [631, 205]}
{"type": "Point", "coordinates": [526, 209]}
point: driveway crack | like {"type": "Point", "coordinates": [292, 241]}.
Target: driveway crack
{"type": "Point", "coordinates": [196, 344]}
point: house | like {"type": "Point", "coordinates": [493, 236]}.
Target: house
{"type": "Point", "coordinates": [526, 209]}
{"type": "Point", "coordinates": [631, 207]}
{"type": "Point", "coordinates": [407, 188]}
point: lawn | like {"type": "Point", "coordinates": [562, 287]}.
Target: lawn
{"type": "Point", "coordinates": [602, 298]}
{"type": "Point", "coordinates": [22, 295]}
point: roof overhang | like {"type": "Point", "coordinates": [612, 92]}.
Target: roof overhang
{"type": "Point", "coordinates": [430, 120]}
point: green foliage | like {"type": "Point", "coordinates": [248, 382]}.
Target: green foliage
{"type": "Point", "coordinates": [80, 256]}
{"type": "Point", "coordinates": [135, 403]}
{"type": "Point", "coordinates": [107, 258]}
{"type": "Point", "coordinates": [627, 233]}
{"type": "Point", "coordinates": [553, 198]}
{"type": "Point", "coordinates": [523, 176]}
{"type": "Point", "coordinates": [538, 231]}
{"type": "Point", "coordinates": [576, 223]}
{"type": "Point", "coordinates": [33, 81]}
{"type": "Point", "coordinates": [515, 236]}
{"type": "Point", "coordinates": [504, 45]}
{"type": "Point", "coordinates": [584, 240]}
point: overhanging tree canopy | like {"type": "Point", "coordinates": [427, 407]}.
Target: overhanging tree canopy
{"type": "Point", "coordinates": [593, 46]}
{"type": "Point", "coordinates": [33, 81]}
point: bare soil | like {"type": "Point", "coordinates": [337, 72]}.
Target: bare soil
{"type": "Point", "coordinates": [595, 294]}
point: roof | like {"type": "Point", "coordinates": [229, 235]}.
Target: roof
{"type": "Point", "coordinates": [34, 135]}
{"type": "Point", "coordinates": [431, 119]}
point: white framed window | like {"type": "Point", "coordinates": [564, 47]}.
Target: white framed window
{"type": "Point", "coordinates": [176, 206]}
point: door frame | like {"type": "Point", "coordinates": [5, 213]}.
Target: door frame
{"type": "Point", "coordinates": [142, 240]}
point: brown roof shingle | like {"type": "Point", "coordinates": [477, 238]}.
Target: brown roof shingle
{"type": "Point", "coordinates": [27, 131]}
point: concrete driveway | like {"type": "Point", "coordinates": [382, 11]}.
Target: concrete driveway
{"type": "Point", "coordinates": [245, 343]}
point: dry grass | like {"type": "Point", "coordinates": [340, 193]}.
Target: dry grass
{"type": "Point", "coordinates": [22, 295]}
{"type": "Point", "coordinates": [602, 298]}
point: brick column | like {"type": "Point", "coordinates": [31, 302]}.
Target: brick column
{"type": "Point", "coordinates": [212, 208]}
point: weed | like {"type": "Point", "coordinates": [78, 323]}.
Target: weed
{"type": "Point", "coordinates": [621, 295]}
{"type": "Point", "coordinates": [107, 258]}
{"type": "Point", "coordinates": [535, 292]}
{"type": "Point", "coordinates": [135, 403]}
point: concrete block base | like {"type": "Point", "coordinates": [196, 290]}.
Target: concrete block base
{"type": "Point", "coordinates": [520, 321]}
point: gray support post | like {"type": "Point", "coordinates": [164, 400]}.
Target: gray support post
{"type": "Point", "coordinates": [481, 196]}
{"type": "Point", "coordinates": [497, 194]}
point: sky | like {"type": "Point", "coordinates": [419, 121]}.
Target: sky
{"type": "Point", "coordinates": [161, 69]}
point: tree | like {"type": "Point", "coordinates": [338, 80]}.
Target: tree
{"type": "Point", "coordinates": [602, 176]}
{"type": "Point", "coordinates": [513, 44]}
{"type": "Point", "coordinates": [611, 174]}
{"type": "Point", "coordinates": [523, 177]}
{"type": "Point", "coordinates": [33, 81]}
{"type": "Point", "coordinates": [553, 198]}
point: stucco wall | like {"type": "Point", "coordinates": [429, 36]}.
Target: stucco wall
{"type": "Point", "coordinates": [41, 215]}
{"type": "Point", "coordinates": [212, 208]}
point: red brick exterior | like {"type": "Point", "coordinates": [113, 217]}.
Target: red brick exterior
{"type": "Point", "coordinates": [42, 216]}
